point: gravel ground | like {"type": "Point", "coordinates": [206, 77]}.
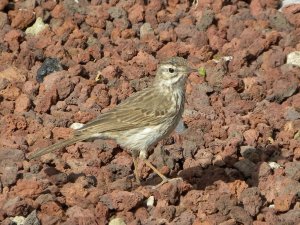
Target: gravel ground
{"type": "Point", "coordinates": [239, 155]}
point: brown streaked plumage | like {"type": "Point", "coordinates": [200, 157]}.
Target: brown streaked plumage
{"type": "Point", "coordinates": [141, 120]}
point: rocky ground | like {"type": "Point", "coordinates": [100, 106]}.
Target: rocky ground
{"type": "Point", "coordinates": [238, 157]}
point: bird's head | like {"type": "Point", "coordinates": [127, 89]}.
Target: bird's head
{"type": "Point", "coordinates": [173, 72]}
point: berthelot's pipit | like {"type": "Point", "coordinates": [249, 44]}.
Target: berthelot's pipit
{"type": "Point", "coordinates": [143, 119]}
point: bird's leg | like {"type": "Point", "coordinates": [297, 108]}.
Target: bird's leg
{"type": "Point", "coordinates": [136, 173]}
{"type": "Point", "coordinates": [135, 155]}
{"type": "Point", "coordinates": [195, 3]}
{"type": "Point", "coordinates": [163, 177]}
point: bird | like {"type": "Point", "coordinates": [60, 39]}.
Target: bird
{"type": "Point", "coordinates": [143, 119]}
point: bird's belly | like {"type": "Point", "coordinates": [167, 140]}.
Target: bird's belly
{"type": "Point", "coordinates": [140, 139]}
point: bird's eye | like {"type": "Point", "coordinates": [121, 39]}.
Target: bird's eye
{"type": "Point", "coordinates": [171, 70]}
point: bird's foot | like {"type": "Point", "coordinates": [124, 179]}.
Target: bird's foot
{"type": "Point", "coordinates": [166, 180]}
{"type": "Point", "coordinates": [195, 3]}
{"type": "Point", "coordinates": [163, 177]}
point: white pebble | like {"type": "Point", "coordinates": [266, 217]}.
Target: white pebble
{"type": "Point", "coordinates": [18, 220]}
{"type": "Point", "coordinates": [117, 221]}
{"type": "Point", "coordinates": [274, 165]}
{"type": "Point", "coordinates": [76, 126]}
{"type": "Point", "coordinates": [293, 58]}
{"type": "Point", "coordinates": [37, 27]}
{"type": "Point", "coordinates": [225, 58]}
{"type": "Point", "coordinates": [150, 201]}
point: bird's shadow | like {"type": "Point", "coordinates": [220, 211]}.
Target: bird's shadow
{"type": "Point", "coordinates": [198, 177]}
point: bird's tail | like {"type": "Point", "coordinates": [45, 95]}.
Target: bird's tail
{"type": "Point", "coordinates": [58, 145]}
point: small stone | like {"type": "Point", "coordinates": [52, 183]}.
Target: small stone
{"type": "Point", "coordinates": [229, 222]}
{"type": "Point", "coordinates": [225, 203]}
{"type": "Point", "coordinates": [252, 200]}
{"type": "Point", "coordinates": [3, 17]}
{"type": "Point", "coordinates": [218, 161]}
{"type": "Point", "coordinates": [43, 198]}
{"type": "Point", "coordinates": [215, 74]}
{"type": "Point", "coordinates": [279, 21]}
{"type": "Point", "coordinates": [27, 188]}
{"type": "Point", "coordinates": [11, 93]}
{"type": "Point", "coordinates": [50, 65]}
{"type": "Point", "coordinates": [251, 136]}
{"type": "Point", "coordinates": [121, 200]}
{"type": "Point", "coordinates": [13, 37]}
{"type": "Point", "coordinates": [165, 212]}
{"type": "Point", "coordinates": [170, 192]}
{"type": "Point", "coordinates": [3, 83]}
{"type": "Point", "coordinates": [291, 114]}
{"type": "Point", "coordinates": [278, 185]}
{"type": "Point", "coordinates": [9, 174]}
{"type": "Point", "coordinates": [206, 20]}
{"type": "Point", "coordinates": [204, 157]}
{"type": "Point", "coordinates": [121, 24]}
{"type": "Point", "coordinates": [23, 103]}
{"type": "Point", "coordinates": [185, 218]}
{"type": "Point", "coordinates": [184, 31]}
{"type": "Point", "coordinates": [109, 72]}
{"type": "Point", "coordinates": [167, 35]}
{"type": "Point", "coordinates": [14, 206]}
{"type": "Point", "coordinates": [77, 213]}
{"type": "Point", "coordinates": [117, 12]}
{"type": "Point", "coordinates": [274, 165]}
{"type": "Point", "coordinates": [264, 170]}
{"type": "Point", "coordinates": [37, 27]}
{"type": "Point", "coordinates": [240, 215]}
{"type": "Point", "coordinates": [293, 58]}
{"type": "Point", "coordinates": [282, 89]}
{"type": "Point", "coordinates": [3, 4]}
{"type": "Point", "coordinates": [245, 166]}
{"type": "Point", "coordinates": [44, 101]}
{"type": "Point", "coordinates": [22, 18]}
{"type": "Point", "coordinates": [146, 30]}
{"type": "Point", "coordinates": [136, 13]}
{"type": "Point", "coordinates": [76, 126]}
{"type": "Point", "coordinates": [75, 193]}
{"type": "Point", "coordinates": [150, 201]}
{"type": "Point", "coordinates": [13, 74]}
{"type": "Point", "coordinates": [117, 221]}
{"type": "Point", "coordinates": [291, 217]}
{"type": "Point", "coordinates": [297, 153]}
{"type": "Point", "coordinates": [251, 153]}
{"type": "Point", "coordinates": [283, 203]}
{"type": "Point", "coordinates": [32, 219]}
{"type": "Point", "coordinates": [13, 155]}
{"type": "Point", "coordinates": [18, 220]}
{"type": "Point", "coordinates": [102, 212]}
{"type": "Point", "coordinates": [292, 170]}
{"type": "Point", "coordinates": [30, 88]}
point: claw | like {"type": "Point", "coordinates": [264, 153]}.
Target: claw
{"type": "Point", "coordinates": [173, 180]}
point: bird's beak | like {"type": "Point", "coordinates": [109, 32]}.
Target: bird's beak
{"type": "Point", "coordinates": [191, 70]}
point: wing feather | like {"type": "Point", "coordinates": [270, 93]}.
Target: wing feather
{"type": "Point", "coordinates": [143, 108]}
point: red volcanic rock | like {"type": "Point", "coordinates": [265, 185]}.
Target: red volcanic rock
{"type": "Point", "coordinates": [121, 200]}
{"type": "Point", "coordinates": [237, 149]}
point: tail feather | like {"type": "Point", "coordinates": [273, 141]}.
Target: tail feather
{"type": "Point", "coordinates": [57, 145]}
